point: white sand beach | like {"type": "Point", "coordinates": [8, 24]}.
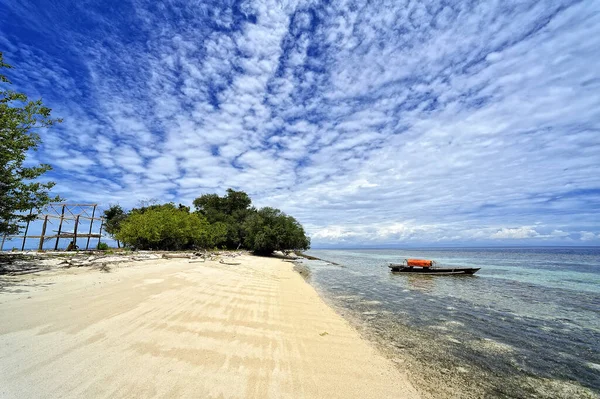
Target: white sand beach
{"type": "Point", "coordinates": [175, 329]}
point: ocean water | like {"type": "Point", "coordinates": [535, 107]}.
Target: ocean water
{"type": "Point", "coordinates": [526, 325]}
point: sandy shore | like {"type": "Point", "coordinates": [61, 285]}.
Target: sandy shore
{"type": "Point", "coordinates": [170, 328]}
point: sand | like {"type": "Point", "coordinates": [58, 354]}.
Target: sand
{"type": "Point", "coordinates": [174, 329]}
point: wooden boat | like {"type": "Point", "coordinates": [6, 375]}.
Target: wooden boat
{"type": "Point", "coordinates": [425, 266]}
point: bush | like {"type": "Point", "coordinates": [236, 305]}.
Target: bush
{"type": "Point", "coordinates": [165, 227]}
{"type": "Point", "coordinates": [218, 233]}
{"type": "Point", "coordinates": [102, 246]}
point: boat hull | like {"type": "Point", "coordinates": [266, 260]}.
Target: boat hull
{"type": "Point", "coordinates": [436, 270]}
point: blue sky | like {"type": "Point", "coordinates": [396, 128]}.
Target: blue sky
{"type": "Point", "coordinates": [374, 123]}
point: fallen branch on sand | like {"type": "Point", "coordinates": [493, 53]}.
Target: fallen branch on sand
{"type": "Point", "coordinates": [176, 256]}
{"type": "Point", "coordinates": [229, 263]}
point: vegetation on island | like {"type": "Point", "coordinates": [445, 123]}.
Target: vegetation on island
{"type": "Point", "coordinates": [20, 192]}
{"type": "Point", "coordinates": [229, 222]}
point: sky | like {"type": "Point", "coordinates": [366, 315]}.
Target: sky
{"type": "Point", "coordinates": [375, 123]}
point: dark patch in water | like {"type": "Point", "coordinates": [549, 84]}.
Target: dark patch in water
{"type": "Point", "coordinates": [303, 270]}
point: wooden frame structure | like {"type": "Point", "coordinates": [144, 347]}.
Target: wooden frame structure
{"type": "Point", "coordinates": [61, 212]}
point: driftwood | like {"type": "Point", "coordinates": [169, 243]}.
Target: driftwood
{"type": "Point", "coordinates": [178, 256]}
{"type": "Point", "coordinates": [229, 263]}
{"type": "Point", "coordinates": [33, 262]}
{"type": "Point", "coordinates": [16, 263]}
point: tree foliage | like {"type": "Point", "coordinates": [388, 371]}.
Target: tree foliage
{"type": "Point", "coordinates": [269, 229]}
{"type": "Point", "coordinates": [165, 227]}
{"type": "Point", "coordinates": [19, 192]}
{"type": "Point", "coordinates": [228, 221]}
{"type": "Point", "coordinates": [230, 211]}
{"type": "Point", "coordinates": [113, 217]}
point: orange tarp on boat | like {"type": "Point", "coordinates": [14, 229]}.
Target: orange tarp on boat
{"type": "Point", "coordinates": [419, 262]}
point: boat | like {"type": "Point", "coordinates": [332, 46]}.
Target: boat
{"type": "Point", "coordinates": [426, 266]}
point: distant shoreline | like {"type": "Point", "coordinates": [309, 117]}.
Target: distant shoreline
{"type": "Point", "coordinates": [453, 247]}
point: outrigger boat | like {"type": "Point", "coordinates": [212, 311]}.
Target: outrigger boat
{"type": "Point", "coordinates": [424, 266]}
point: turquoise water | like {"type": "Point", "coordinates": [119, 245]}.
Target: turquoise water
{"type": "Point", "coordinates": [529, 316]}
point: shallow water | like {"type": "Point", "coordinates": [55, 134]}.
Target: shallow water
{"type": "Point", "coordinates": [526, 325]}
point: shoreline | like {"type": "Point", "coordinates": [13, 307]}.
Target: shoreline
{"type": "Point", "coordinates": [470, 365]}
{"type": "Point", "coordinates": [173, 328]}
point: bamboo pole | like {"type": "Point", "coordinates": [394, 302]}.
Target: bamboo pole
{"type": "Point", "coordinates": [82, 217]}
{"type": "Point", "coordinates": [91, 224]}
{"type": "Point", "coordinates": [62, 216]}
{"type": "Point", "coordinates": [75, 233]}
{"type": "Point", "coordinates": [26, 230]}
{"type": "Point", "coordinates": [41, 246]}
{"type": "Point", "coordinates": [100, 233]}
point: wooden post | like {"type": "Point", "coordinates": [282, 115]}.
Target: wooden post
{"type": "Point", "coordinates": [100, 233]}
{"type": "Point", "coordinates": [41, 246]}
{"type": "Point", "coordinates": [91, 224]}
{"type": "Point", "coordinates": [26, 230]}
{"type": "Point", "coordinates": [75, 233]}
{"type": "Point", "coordinates": [62, 215]}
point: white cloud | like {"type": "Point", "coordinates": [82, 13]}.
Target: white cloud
{"type": "Point", "coordinates": [380, 122]}
{"type": "Point", "coordinates": [516, 233]}
{"type": "Point", "coordinates": [589, 236]}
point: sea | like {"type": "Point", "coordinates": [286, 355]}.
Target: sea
{"type": "Point", "coordinates": [526, 325]}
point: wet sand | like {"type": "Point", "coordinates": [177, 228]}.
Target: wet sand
{"type": "Point", "coordinates": [174, 329]}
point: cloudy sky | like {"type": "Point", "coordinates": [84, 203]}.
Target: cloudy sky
{"type": "Point", "coordinates": [373, 123]}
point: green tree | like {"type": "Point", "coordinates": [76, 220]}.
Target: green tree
{"type": "Point", "coordinates": [269, 229]}
{"type": "Point", "coordinates": [113, 217]}
{"type": "Point", "coordinates": [19, 121]}
{"type": "Point", "coordinates": [230, 210]}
